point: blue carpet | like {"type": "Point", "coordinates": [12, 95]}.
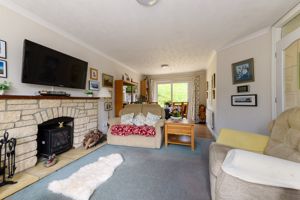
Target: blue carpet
{"type": "Point", "coordinates": [173, 173]}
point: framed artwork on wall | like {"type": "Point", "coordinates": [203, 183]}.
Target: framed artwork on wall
{"type": "Point", "coordinates": [3, 69]}
{"type": "Point", "coordinates": [108, 106]}
{"type": "Point", "coordinates": [94, 85]}
{"type": "Point", "coordinates": [93, 73]}
{"type": "Point", "coordinates": [243, 89]}
{"type": "Point", "coordinates": [213, 81]}
{"type": "Point", "coordinates": [244, 100]}
{"type": "Point", "coordinates": [107, 80]}
{"type": "Point", "coordinates": [3, 53]}
{"type": "Point", "coordinates": [243, 71]}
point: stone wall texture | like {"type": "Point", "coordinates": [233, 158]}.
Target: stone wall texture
{"type": "Point", "coordinates": [22, 117]}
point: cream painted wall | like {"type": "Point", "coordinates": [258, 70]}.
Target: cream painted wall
{"type": "Point", "coordinates": [211, 103]}
{"type": "Point", "coordinates": [253, 119]}
{"type": "Point", "coordinates": [15, 28]}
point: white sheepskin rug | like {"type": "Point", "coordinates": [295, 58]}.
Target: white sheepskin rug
{"type": "Point", "coordinates": [81, 184]}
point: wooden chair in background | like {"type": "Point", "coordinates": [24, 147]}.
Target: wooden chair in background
{"type": "Point", "coordinates": [202, 113]}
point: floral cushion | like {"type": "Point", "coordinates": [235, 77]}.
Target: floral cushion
{"type": "Point", "coordinates": [125, 130]}
{"type": "Point", "coordinates": [151, 119]}
{"type": "Point", "coordinates": [127, 119]}
{"type": "Point", "coordinates": [139, 119]}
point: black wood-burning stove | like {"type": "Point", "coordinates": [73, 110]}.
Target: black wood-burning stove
{"type": "Point", "coordinates": [55, 136]}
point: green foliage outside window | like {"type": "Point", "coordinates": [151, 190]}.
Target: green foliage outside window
{"type": "Point", "coordinates": [164, 93]}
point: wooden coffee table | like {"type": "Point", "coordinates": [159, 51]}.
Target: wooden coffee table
{"type": "Point", "coordinates": [180, 132]}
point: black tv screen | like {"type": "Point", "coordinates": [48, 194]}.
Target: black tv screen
{"type": "Point", "coordinates": [45, 66]}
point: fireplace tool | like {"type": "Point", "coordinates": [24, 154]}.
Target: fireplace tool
{"type": "Point", "coordinates": [7, 159]}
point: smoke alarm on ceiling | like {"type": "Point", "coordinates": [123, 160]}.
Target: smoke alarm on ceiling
{"type": "Point", "coordinates": [147, 2]}
{"type": "Point", "coordinates": [164, 66]}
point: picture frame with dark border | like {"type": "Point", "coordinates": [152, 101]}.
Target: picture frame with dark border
{"type": "Point", "coordinates": [244, 100]}
{"type": "Point", "coordinates": [3, 49]}
{"type": "Point", "coordinates": [107, 106]}
{"type": "Point", "coordinates": [107, 80]}
{"type": "Point", "coordinates": [93, 73]}
{"type": "Point", "coordinates": [94, 85]}
{"type": "Point", "coordinates": [3, 68]}
{"type": "Point", "coordinates": [213, 83]}
{"type": "Point", "coordinates": [243, 89]}
{"type": "Point", "coordinates": [243, 71]}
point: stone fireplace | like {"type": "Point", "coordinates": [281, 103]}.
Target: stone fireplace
{"type": "Point", "coordinates": [21, 115]}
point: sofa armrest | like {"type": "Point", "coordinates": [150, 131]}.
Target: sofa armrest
{"type": "Point", "coordinates": [262, 169]}
{"type": "Point", "coordinates": [243, 140]}
{"type": "Point", "coordinates": [160, 123]}
{"type": "Point", "coordinates": [113, 121]}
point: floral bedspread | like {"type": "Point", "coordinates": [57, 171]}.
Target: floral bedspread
{"type": "Point", "coordinates": [125, 130]}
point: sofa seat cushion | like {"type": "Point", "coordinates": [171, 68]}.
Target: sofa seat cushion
{"type": "Point", "coordinates": [125, 130]}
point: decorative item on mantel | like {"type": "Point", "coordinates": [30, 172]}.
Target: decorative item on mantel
{"type": "Point", "coordinates": [8, 160]}
{"type": "Point", "coordinates": [4, 86]}
{"type": "Point", "coordinates": [89, 93]}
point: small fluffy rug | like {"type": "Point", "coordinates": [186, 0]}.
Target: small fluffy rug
{"type": "Point", "coordinates": [81, 184]}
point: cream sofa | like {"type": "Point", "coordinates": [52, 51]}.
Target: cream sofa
{"type": "Point", "coordinates": [284, 143]}
{"type": "Point", "coordinates": [136, 140]}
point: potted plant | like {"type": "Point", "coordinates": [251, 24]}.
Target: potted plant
{"type": "Point", "coordinates": [4, 86]}
{"type": "Point", "coordinates": [176, 115]}
{"type": "Point", "coordinates": [89, 93]}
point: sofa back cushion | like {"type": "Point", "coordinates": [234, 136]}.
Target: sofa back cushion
{"type": "Point", "coordinates": [131, 108]}
{"type": "Point", "coordinates": [154, 109]}
{"type": "Point", "coordinates": [285, 137]}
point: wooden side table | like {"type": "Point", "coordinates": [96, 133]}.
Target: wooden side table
{"type": "Point", "coordinates": [180, 132]}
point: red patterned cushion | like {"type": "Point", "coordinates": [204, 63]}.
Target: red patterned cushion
{"type": "Point", "coordinates": [125, 130]}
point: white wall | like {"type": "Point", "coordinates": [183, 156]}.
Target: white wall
{"type": "Point", "coordinates": [15, 28]}
{"type": "Point", "coordinates": [210, 102]}
{"type": "Point", "coordinates": [253, 119]}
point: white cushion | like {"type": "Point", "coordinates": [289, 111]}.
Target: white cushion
{"type": "Point", "coordinates": [139, 119]}
{"type": "Point", "coordinates": [262, 169]}
{"type": "Point", "coordinates": [127, 119]}
{"type": "Point", "coordinates": [151, 119]}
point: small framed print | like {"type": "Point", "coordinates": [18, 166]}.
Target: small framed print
{"type": "Point", "coordinates": [94, 85]}
{"type": "Point", "coordinates": [213, 81]}
{"type": "Point", "coordinates": [108, 106]}
{"type": "Point", "coordinates": [243, 88]}
{"type": "Point", "coordinates": [108, 80]}
{"type": "Point", "coordinates": [3, 69]}
{"type": "Point", "coordinates": [93, 73]}
{"type": "Point", "coordinates": [3, 49]}
{"type": "Point", "coordinates": [244, 100]}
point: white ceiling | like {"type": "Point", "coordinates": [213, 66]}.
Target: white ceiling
{"type": "Point", "coordinates": [181, 33]}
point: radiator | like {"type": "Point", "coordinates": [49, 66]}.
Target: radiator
{"type": "Point", "coordinates": [210, 118]}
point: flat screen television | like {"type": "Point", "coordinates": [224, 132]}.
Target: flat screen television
{"type": "Point", "coordinates": [45, 66]}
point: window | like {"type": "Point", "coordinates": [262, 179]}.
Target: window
{"type": "Point", "coordinates": [172, 92]}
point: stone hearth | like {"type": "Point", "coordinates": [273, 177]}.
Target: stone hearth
{"type": "Point", "coordinates": [20, 117]}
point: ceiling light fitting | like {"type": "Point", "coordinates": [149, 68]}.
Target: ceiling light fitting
{"type": "Point", "coordinates": [164, 66]}
{"type": "Point", "coordinates": [147, 2]}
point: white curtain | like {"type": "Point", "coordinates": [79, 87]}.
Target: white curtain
{"type": "Point", "coordinates": [151, 90]}
{"type": "Point", "coordinates": [192, 101]}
